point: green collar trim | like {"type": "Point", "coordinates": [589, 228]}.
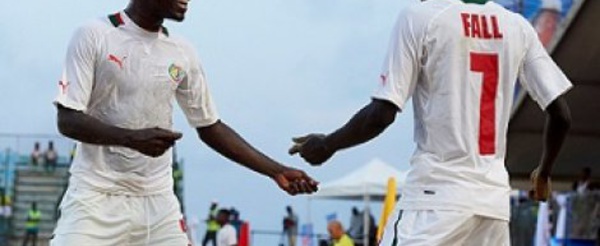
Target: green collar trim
{"type": "Point", "coordinates": [116, 19]}
{"type": "Point", "coordinates": [164, 30]}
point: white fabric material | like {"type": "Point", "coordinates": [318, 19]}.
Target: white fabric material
{"type": "Point", "coordinates": [542, 230]}
{"type": "Point", "coordinates": [227, 236]}
{"type": "Point", "coordinates": [370, 180]}
{"type": "Point", "coordinates": [93, 218]}
{"type": "Point", "coordinates": [561, 221]}
{"type": "Point", "coordinates": [431, 60]}
{"type": "Point", "coordinates": [582, 186]}
{"type": "Point", "coordinates": [128, 77]}
{"type": "Point", "coordinates": [444, 228]}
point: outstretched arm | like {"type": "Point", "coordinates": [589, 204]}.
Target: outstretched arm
{"type": "Point", "coordinates": [228, 143]}
{"type": "Point", "coordinates": [558, 122]}
{"type": "Point", "coordinates": [85, 128]}
{"type": "Point", "coordinates": [368, 123]}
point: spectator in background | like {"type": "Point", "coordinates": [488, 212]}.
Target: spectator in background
{"type": "Point", "coordinates": [51, 158]}
{"type": "Point", "coordinates": [547, 20]}
{"type": "Point", "coordinates": [337, 234]}
{"type": "Point", "coordinates": [290, 226]}
{"type": "Point", "coordinates": [5, 202]}
{"type": "Point", "coordinates": [32, 226]}
{"type": "Point", "coordinates": [212, 226]}
{"type": "Point", "coordinates": [372, 228]}
{"type": "Point", "coordinates": [227, 235]}
{"type": "Point", "coordinates": [36, 155]}
{"type": "Point", "coordinates": [523, 220]}
{"type": "Point", "coordinates": [178, 181]}
{"type": "Point", "coordinates": [582, 185]}
{"type": "Point", "coordinates": [236, 222]}
{"type": "Point", "coordinates": [356, 221]}
{"type": "Point", "coordinates": [72, 154]}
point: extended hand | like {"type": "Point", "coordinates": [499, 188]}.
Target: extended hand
{"type": "Point", "coordinates": [541, 185]}
{"type": "Point", "coordinates": [152, 141]}
{"type": "Point", "coordinates": [312, 148]}
{"type": "Point", "coordinates": [295, 182]}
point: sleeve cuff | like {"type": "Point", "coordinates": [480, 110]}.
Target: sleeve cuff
{"type": "Point", "coordinates": [544, 103]}
{"type": "Point", "coordinates": [394, 100]}
{"type": "Point", "coordinates": [65, 102]}
{"type": "Point", "coordinates": [199, 123]}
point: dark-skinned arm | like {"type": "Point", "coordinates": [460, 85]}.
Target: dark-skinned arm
{"type": "Point", "coordinates": [220, 137]}
{"type": "Point", "coordinates": [558, 122]}
{"type": "Point", "coordinates": [365, 125]}
{"type": "Point", "coordinates": [85, 128]}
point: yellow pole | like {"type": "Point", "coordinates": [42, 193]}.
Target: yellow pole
{"type": "Point", "coordinates": [388, 206]}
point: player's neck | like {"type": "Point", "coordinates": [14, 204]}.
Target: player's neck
{"type": "Point", "coordinates": [143, 17]}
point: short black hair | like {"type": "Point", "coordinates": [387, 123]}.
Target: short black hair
{"type": "Point", "coordinates": [226, 212]}
{"type": "Point", "coordinates": [587, 170]}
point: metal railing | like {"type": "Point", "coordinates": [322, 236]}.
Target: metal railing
{"type": "Point", "coordinates": [15, 151]}
{"type": "Point", "coordinates": [279, 238]}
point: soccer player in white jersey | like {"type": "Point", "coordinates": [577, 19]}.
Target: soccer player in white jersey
{"type": "Point", "coordinates": [459, 62]}
{"type": "Point", "coordinates": [121, 75]}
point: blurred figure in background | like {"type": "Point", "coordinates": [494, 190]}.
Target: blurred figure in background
{"type": "Point", "coordinates": [32, 226]}
{"type": "Point", "coordinates": [212, 226]}
{"type": "Point", "coordinates": [236, 222]}
{"type": "Point", "coordinates": [582, 185]}
{"type": "Point", "coordinates": [5, 204]}
{"type": "Point", "coordinates": [227, 235]}
{"type": "Point", "coordinates": [356, 221]}
{"type": "Point", "coordinates": [523, 220]}
{"type": "Point", "coordinates": [290, 226]}
{"type": "Point", "coordinates": [36, 155]}
{"type": "Point", "coordinates": [337, 234]}
{"type": "Point", "coordinates": [178, 181]}
{"type": "Point", "coordinates": [50, 158]}
{"type": "Point", "coordinates": [372, 236]}
{"type": "Point", "coordinates": [547, 20]}
{"type": "Point", "coordinates": [72, 153]}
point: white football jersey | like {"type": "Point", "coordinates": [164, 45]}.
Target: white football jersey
{"type": "Point", "coordinates": [460, 63]}
{"type": "Point", "coordinates": [227, 236]}
{"type": "Point", "coordinates": [128, 77]}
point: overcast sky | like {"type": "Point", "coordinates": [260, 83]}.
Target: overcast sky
{"type": "Point", "coordinates": [276, 69]}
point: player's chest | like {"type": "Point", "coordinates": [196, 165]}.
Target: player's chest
{"type": "Point", "coordinates": [137, 67]}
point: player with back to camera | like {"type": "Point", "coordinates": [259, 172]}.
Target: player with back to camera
{"type": "Point", "coordinates": [459, 62]}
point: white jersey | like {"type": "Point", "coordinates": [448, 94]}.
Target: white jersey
{"type": "Point", "coordinates": [460, 63]}
{"type": "Point", "coordinates": [227, 236]}
{"type": "Point", "coordinates": [128, 77]}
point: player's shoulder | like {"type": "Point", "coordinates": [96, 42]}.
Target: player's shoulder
{"type": "Point", "coordinates": [95, 27]}
{"type": "Point", "coordinates": [182, 42]}
{"type": "Point", "coordinates": [427, 11]}
{"type": "Point", "coordinates": [178, 40]}
{"type": "Point", "coordinates": [421, 9]}
{"type": "Point", "coordinates": [520, 23]}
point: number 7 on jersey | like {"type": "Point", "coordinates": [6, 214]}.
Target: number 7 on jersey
{"type": "Point", "coordinates": [487, 64]}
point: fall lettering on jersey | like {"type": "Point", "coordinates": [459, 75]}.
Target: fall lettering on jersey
{"type": "Point", "coordinates": [481, 26]}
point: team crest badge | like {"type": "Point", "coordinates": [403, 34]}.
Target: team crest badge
{"type": "Point", "coordinates": [176, 73]}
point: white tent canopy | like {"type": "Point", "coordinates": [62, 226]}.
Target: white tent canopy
{"type": "Point", "coordinates": [364, 184]}
{"type": "Point", "coordinates": [369, 181]}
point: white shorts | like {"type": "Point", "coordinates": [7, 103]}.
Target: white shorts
{"type": "Point", "coordinates": [444, 228]}
{"type": "Point", "coordinates": [94, 218]}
